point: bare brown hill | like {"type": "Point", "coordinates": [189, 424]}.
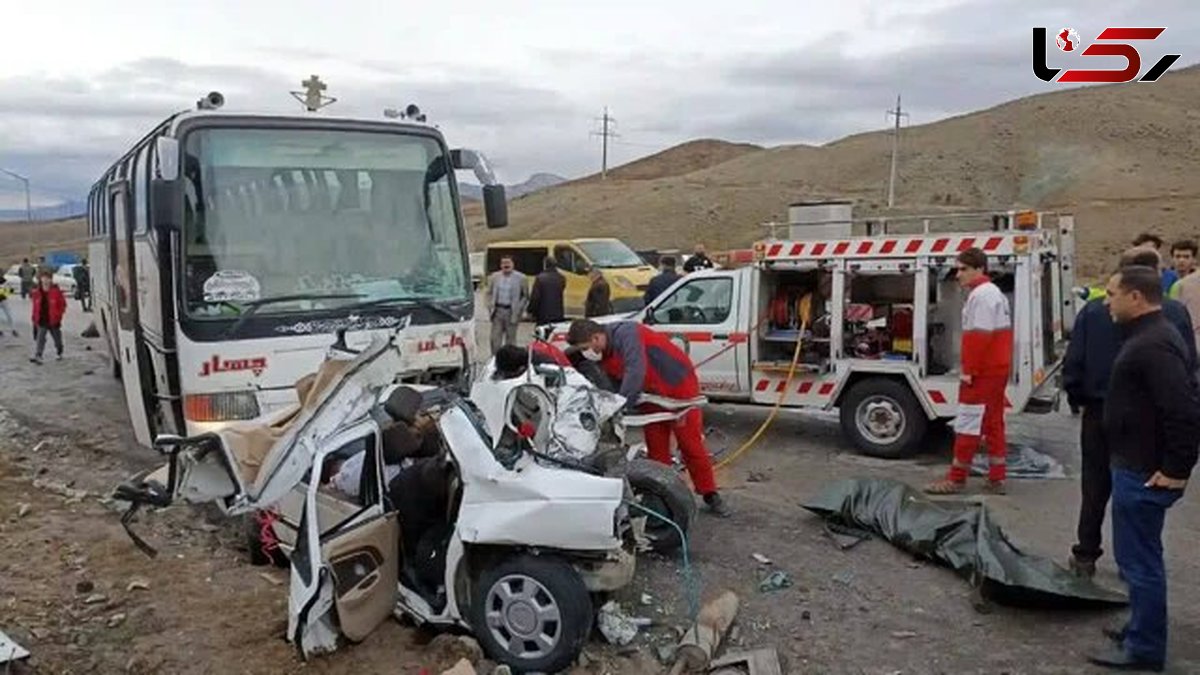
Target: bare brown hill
{"type": "Point", "coordinates": [26, 240]}
{"type": "Point", "coordinates": [1123, 158]}
{"type": "Point", "coordinates": [682, 159]}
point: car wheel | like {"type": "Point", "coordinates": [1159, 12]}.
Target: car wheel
{"type": "Point", "coordinates": [532, 613]}
{"type": "Point", "coordinates": [883, 418]}
{"type": "Point", "coordinates": [658, 488]}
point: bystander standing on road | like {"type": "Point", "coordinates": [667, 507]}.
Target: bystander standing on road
{"type": "Point", "coordinates": [49, 306]}
{"type": "Point", "coordinates": [698, 261]}
{"type": "Point", "coordinates": [1153, 433]}
{"type": "Point", "coordinates": [27, 272]}
{"type": "Point", "coordinates": [5, 312]}
{"type": "Point", "coordinates": [663, 280]}
{"type": "Point", "coordinates": [1087, 367]}
{"type": "Point", "coordinates": [546, 298]}
{"type": "Point", "coordinates": [83, 284]}
{"type": "Point", "coordinates": [1189, 295]}
{"type": "Point", "coordinates": [506, 303]}
{"type": "Point", "coordinates": [1152, 242]}
{"type": "Point", "coordinates": [599, 297]}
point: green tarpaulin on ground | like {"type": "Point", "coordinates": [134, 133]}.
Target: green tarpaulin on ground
{"type": "Point", "coordinates": [963, 536]}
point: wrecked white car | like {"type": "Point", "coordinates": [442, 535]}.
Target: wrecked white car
{"type": "Point", "coordinates": [407, 500]}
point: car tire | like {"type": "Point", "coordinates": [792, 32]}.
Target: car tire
{"type": "Point", "coordinates": [532, 613]}
{"type": "Point", "coordinates": [259, 556]}
{"type": "Point", "coordinates": [659, 488]}
{"type": "Point", "coordinates": [882, 418]}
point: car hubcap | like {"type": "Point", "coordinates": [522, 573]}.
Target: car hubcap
{"type": "Point", "coordinates": [523, 617]}
{"type": "Point", "coordinates": [880, 420]}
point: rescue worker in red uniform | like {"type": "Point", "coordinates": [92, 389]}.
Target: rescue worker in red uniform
{"type": "Point", "coordinates": [987, 346]}
{"type": "Point", "coordinates": [647, 362]}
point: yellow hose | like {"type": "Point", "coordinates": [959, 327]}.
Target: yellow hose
{"type": "Point", "coordinates": [774, 411]}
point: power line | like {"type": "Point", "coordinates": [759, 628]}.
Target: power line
{"type": "Point", "coordinates": [607, 131]}
{"type": "Point", "coordinates": [897, 113]}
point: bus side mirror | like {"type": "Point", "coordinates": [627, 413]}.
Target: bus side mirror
{"type": "Point", "coordinates": [164, 200]}
{"type": "Point", "coordinates": [495, 206]}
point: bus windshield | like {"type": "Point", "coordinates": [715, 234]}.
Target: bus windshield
{"type": "Point", "coordinates": [610, 253]}
{"type": "Point", "coordinates": [331, 217]}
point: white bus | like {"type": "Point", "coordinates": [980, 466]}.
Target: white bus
{"type": "Point", "coordinates": [229, 249]}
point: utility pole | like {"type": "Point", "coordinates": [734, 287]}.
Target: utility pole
{"type": "Point", "coordinates": [607, 131]}
{"type": "Point", "coordinates": [28, 205]}
{"type": "Point", "coordinates": [897, 113]}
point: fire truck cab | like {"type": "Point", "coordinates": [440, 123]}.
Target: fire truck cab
{"type": "Point", "coordinates": [877, 317]}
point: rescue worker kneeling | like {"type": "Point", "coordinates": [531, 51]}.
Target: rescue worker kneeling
{"type": "Point", "coordinates": [645, 361]}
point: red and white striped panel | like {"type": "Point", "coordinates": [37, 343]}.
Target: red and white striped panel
{"type": "Point", "coordinates": [944, 400]}
{"type": "Point", "coordinates": [767, 389]}
{"type": "Point", "coordinates": [894, 247]}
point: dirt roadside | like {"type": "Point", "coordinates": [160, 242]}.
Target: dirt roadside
{"type": "Point", "coordinates": [869, 610]}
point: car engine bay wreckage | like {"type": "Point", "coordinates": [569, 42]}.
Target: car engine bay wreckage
{"type": "Point", "coordinates": [503, 512]}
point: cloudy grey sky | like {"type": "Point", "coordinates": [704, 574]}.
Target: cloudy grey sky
{"type": "Point", "coordinates": [522, 80]}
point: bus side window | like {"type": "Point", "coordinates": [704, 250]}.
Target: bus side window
{"type": "Point", "coordinates": [139, 192]}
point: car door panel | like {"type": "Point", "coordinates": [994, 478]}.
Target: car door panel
{"type": "Point", "coordinates": [571, 264]}
{"type": "Point", "coordinates": [700, 315]}
{"type": "Point", "coordinates": [365, 567]}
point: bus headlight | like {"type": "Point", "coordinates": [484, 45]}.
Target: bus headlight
{"type": "Point", "coordinates": [224, 406]}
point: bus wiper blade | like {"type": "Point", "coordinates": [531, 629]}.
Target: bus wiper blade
{"type": "Point", "coordinates": [426, 303]}
{"type": "Point", "coordinates": [254, 305]}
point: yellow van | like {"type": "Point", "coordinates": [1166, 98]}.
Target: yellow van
{"type": "Point", "coordinates": [627, 274]}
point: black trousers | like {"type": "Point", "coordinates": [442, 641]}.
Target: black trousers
{"type": "Point", "coordinates": [1095, 484]}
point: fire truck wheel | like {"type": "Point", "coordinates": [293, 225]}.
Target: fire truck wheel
{"type": "Point", "coordinates": [883, 418]}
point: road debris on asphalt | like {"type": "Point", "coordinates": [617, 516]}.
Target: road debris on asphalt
{"type": "Point", "coordinates": [774, 582]}
{"type": "Point", "coordinates": [761, 559]}
{"type": "Point", "coordinates": [1022, 462]}
{"type": "Point", "coordinates": [10, 651]}
{"type": "Point", "coordinates": [845, 578]}
{"type": "Point", "coordinates": [755, 662]}
{"type": "Point", "coordinates": [700, 643]}
{"type": "Point", "coordinates": [463, 667]}
{"type": "Point", "coordinates": [615, 625]}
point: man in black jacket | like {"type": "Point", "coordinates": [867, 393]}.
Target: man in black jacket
{"type": "Point", "coordinates": [664, 280]}
{"type": "Point", "coordinates": [599, 297]}
{"type": "Point", "coordinates": [698, 261]}
{"type": "Point", "coordinates": [1086, 369]}
{"type": "Point", "coordinates": [1152, 426]}
{"type": "Point", "coordinates": [546, 298]}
